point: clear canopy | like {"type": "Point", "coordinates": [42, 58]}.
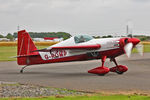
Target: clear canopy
{"type": "Point", "coordinates": [82, 38]}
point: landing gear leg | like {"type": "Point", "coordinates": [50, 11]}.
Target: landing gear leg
{"type": "Point", "coordinates": [21, 71]}
{"type": "Point", "coordinates": [103, 60]}
{"type": "Point", "coordinates": [114, 60]}
{"type": "Point", "coordinates": [119, 69]}
{"type": "Point", "coordinates": [102, 70]}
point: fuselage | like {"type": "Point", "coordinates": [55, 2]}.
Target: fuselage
{"type": "Point", "coordinates": [111, 47]}
{"type": "Point", "coordinates": [107, 45]}
{"type": "Point", "coordinates": [76, 48]}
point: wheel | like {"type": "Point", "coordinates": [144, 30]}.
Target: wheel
{"type": "Point", "coordinates": [101, 74]}
{"type": "Point", "coordinates": [118, 72]}
{"type": "Point", "coordinates": [21, 71]}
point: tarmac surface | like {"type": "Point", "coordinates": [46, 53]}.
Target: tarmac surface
{"type": "Point", "coordinates": [73, 75]}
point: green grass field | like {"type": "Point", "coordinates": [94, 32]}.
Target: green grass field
{"type": "Point", "coordinates": [7, 52]}
{"type": "Point", "coordinates": [146, 49]}
{"type": "Point", "coordinates": [99, 97]}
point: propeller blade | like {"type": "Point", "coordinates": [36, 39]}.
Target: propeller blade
{"type": "Point", "coordinates": [128, 48]}
{"type": "Point", "coordinates": [139, 48]}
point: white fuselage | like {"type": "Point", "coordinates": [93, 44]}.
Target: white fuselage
{"type": "Point", "coordinates": [106, 44]}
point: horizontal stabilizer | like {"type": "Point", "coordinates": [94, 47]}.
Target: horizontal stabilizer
{"type": "Point", "coordinates": [24, 56]}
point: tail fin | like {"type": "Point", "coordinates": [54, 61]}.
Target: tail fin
{"type": "Point", "coordinates": [25, 48]}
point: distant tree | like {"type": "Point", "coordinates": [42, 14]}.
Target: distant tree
{"type": "Point", "coordinates": [10, 36]}
{"type": "Point", "coordinates": [63, 35]}
{"type": "Point", "coordinates": [143, 38]}
{"type": "Point", "coordinates": [104, 36]}
{"type": "Point", "coordinates": [96, 37]}
{"type": "Point", "coordinates": [1, 36]}
{"type": "Point", "coordinates": [148, 38]}
{"type": "Point", "coordinates": [129, 35]}
{"type": "Point", "coordinates": [109, 36]}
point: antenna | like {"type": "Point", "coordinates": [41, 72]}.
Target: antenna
{"type": "Point", "coordinates": [18, 27]}
{"type": "Point", "coordinates": [127, 29]}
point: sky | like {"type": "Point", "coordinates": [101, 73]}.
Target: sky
{"type": "Point", "coordinates": [93, 17]}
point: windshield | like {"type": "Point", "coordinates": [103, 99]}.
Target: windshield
{"type": "Point", "coordinates": [82, 38]}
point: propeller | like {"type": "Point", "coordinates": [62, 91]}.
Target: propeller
{"type": "Point", "coordinates": [128, 49]}
{"type": "Point", "coordinates": [133, 42]}
{"type": "Point", "coordinates": [139, 48]}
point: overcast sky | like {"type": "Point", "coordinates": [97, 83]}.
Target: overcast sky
{"type": "Point", "coordinates": [94, 17]}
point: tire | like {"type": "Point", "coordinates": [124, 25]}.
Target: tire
{"type": "Point", "coordinates": [101, 74]}
{"type": "Point", "coordinates": [118, 72]}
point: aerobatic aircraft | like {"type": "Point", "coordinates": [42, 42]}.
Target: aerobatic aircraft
{"type": "Point", "coordinates": [77, 48]}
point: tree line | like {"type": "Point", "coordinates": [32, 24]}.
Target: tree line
{"type": "Point", "coordinates": [63, 35]}
{"type": "Point", "coordinates": [8, 36]}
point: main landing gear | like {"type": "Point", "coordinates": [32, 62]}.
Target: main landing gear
{"type": "Point", "coordinates": [102, 70]}
{"type": "Point", "coordinates": [119, 69]}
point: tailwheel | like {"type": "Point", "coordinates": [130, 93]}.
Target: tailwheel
{"type": "Point", "coordinates": [21, 71]}
{"type": "Point", "coordinates": [102, 70]}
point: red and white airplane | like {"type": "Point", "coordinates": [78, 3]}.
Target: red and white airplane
{"type": "Point", "coordinates": [76, 48]}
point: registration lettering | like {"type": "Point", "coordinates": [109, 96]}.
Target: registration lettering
{"type": "Point", "coordinates": [55, 54]}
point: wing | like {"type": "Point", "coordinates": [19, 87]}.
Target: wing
{"type": "Point", "coordinates": [79, 47]}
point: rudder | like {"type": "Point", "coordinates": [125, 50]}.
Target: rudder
{"type": "Point", "coordinates": [25, 48]}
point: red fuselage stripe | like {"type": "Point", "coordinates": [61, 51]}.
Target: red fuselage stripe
{"type": "Point", "coordinates": [38, 60]}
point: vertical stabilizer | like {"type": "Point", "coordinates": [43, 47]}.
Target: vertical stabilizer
{"type": "Point", "coordinates": [25, 48]}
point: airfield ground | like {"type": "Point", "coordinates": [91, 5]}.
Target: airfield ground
{"type": "Point", "coordinates": [73, 75]}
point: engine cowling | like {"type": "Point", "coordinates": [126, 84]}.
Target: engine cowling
{"type": "Point", "coordinates": [123, 42]}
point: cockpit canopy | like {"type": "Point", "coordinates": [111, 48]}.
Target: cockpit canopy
{"type": "Point", "coordinates": [82, 38]}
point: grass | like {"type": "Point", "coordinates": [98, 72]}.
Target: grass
{"type": "Point", "coordinates": [7, 52]}
{"type": "Point", "coordinates": [146, 49]}
{"type": "Point", "coordinates": [97, 97]}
